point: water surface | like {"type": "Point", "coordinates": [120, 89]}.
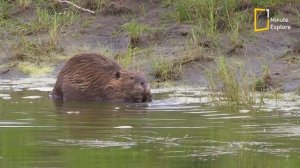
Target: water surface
{"type": "Point", "coordinates": [178, 129]}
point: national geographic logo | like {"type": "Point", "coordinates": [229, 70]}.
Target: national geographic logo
{"type": "Point", "coordinates": [266, 23]}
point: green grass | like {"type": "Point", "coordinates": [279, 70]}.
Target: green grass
{"type": "Point", "coordinates": [166, 3]}
{"type": "Point", "coordinates": [297, 12]}
{"type": "Point", "coordinates": [166, 69]}
{"type": "Point", "coordinates": [237, 24]}
{"type": "Point", "coordinates": [129, 59]}
{"type": "Point", "coordinates": [5, 8]}
{"type": "Point", "coordinates": [33, 69]}
{"type": "Point", "coordinates": [38, 38]}
{"type": "Point", "coordinates": [232, 83]}
{"type": "Point", "coordinates": [31, 50]}
{"type": "Point", "coordinates": [86, 23]}
{"type": "Point", "coordinates": [270, 3]}
{"type": "Point", "coordinates": [25, 3]}
{"type": "Point", "coordinates": [208, 15]}
{"type": "Point", "coordinates": [91, 4]}
{"type": "Point", "coordinates": [143, 9]}
{"type": "Point", "coordinates": [135, 30]}
{"type": "Point", "coordinates": [213, 17]}
{"type": "Point", "coordinates": [169, 68]}
{"type": "Point", "coordinates": [214, 11]}
{"type": "Point", "coordinates": [45, 19]}
{"type": "Point", "coordinates": [43, 22]}
{"type": "Point", "coordinates": [264, 83]}
{"type": "Point", "coordinates": [54, 33]}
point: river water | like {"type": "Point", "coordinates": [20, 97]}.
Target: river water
{"type": "Point", "coordinates": [178, 129]}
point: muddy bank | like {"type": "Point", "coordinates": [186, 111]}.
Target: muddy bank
{"type": "Point", "coordinates": [167, 40]}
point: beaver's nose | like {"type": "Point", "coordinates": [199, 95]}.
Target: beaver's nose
{"type": "Point", "coordinates": [145, 85]}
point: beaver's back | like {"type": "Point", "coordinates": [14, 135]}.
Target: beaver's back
{"type": "Point", "coordinates": [85, 63]}
{"type": "Point", "coordinates": [84, 76]}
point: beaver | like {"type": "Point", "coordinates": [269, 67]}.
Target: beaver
{"type": "Point", "coordinates": [94, 77]}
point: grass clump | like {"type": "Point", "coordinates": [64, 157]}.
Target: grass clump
{"type": "Point", "coordinates": [54, 33]}
{"type": "Point", "coordinates": [264, 84]}
{"type": "Point", "coordinates": [135, 29]}
{"type": "Point", "coordinates": [170, 68]}
{"type": "Point", "coordinates": [166, 3]}
{"type": "Point", "coordinates": [45, 19]}
{"type": "Point", "coordinates": [48, 26]}
{"type": "Point", "coordinates": [33, 69]}
{"type": "Point", "coordinates": [43, 22]}
{"type": "Point", "coordinates": [129, 59]}
{"type": "Point", "coordinates": [31, 50]}
{"type": "Point", "coordinates": [166, 69]}
{"type": "Point", "coordinates": [5, 8]}
{"type": "Point", "coordinates": [24, 3]}
{"type": "Point", "coordinates": [213, 16]}
{"type": "Point", "coordinates": [232, 83]}
{"type": "Point", "coordinates": [92, 4]}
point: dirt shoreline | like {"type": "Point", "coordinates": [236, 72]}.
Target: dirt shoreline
{"type": "Point", "coordinates": [102, 33]}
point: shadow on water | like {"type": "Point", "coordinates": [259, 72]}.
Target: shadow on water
{"type": "Point", "coordinates": [178, 129]}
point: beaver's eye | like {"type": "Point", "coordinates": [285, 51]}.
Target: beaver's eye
{"type": "Point", "coordinates": [131, 77]}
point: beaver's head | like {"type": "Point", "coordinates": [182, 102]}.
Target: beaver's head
{"type": "Point", "coordinates": [134, 86]}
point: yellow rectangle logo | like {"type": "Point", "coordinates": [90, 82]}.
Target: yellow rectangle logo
{"type": "Point", "coordinates": [256, 12]}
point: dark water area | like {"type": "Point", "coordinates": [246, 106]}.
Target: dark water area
{"type": "Point", "coordinates": [178, 129]}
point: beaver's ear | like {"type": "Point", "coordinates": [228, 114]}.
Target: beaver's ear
{"type": "Point", "coordinates": [118, 74]}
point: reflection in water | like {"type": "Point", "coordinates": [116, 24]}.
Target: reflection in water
{"type": "Point", "coordinates": [178, 129]}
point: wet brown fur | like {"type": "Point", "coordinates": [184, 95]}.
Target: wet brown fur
{"type": "Point", "coordinates": [93, 77]}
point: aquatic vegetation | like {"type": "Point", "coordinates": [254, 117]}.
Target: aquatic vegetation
{"type": "Point", "coordinates": [265, 82]}
{"type": "Point", "coordinates": [232, 83]}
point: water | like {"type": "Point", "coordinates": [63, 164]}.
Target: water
{"type": "Point", "coordinates": [178, 129]}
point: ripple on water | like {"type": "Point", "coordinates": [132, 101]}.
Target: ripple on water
{"type": "Point", "coordinates": [95, 143]}
{"type": "Point", "coordinates": [201, 112]}
{"type": "Point", "coordinates": [5, 96]}
{"type": "Point", "coordinates": [14, 123]}
{"type": "Point", "coordinates": [124, 127]}
{"type": "Point", "coordinates": [286, 102]}
{"type": "Point", "coordinates": [43, 89]}
{"type": "Point", "coordinates": [20, 124]}
{"type": "Point", "coordinates": [285, 131]}
{"type": "Point", "coordinates": [41, 84]}
{"type": "Point", "coordinates": [227, 148]}
{"type": "Point", "coordinates": [231, 117]}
